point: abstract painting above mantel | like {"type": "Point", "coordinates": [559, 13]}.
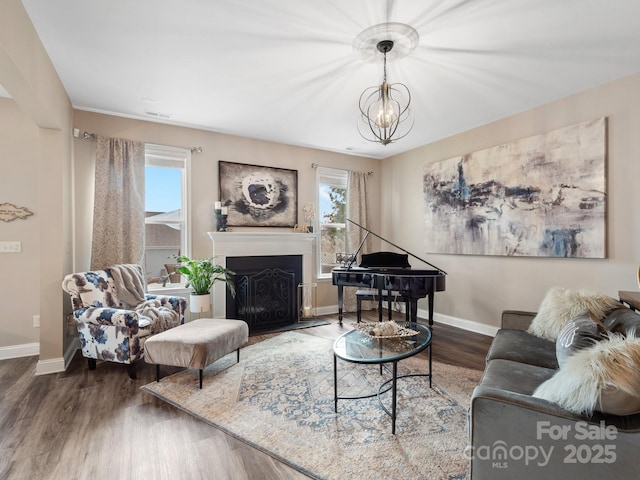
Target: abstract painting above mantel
{"type": "Point", "coordinates": [258, 196]}
{"type": "Point", "coordinates": [539, 196]}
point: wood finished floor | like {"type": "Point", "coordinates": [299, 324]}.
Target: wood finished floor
{"type": "Point", "coordinates": [96, 425]}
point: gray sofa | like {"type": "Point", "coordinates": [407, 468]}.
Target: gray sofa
{"type": "Point", "coordinates": [517, 436]}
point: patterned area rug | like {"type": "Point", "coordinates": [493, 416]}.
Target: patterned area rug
{"type": "Point", "coordinates": [279, 399]}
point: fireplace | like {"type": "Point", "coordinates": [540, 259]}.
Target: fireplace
{"type": "Point", "coordinates": [266, 290]}
{"type": "Point", "coordinates": [246, 247]}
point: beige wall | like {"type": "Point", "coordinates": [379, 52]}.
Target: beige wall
{"type": "Point", "coordinates": [480, 287]}
{"type": "Point", "coordinates": [20, 279]}
{"type": "Point", "coordinates": [36, 155]}
{"type": "Point", "coordinates": [36, 152]}
{"type": "Point", "coordinates": [204, 175]}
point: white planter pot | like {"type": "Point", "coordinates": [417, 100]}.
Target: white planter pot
{"type": "Point", "coordinates": [200, 303]}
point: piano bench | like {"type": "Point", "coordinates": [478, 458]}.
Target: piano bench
{"type": "Point", "coordinates": [374, 296]}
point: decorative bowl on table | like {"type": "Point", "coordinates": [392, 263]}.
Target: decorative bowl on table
{"type": "Point", "coordinates": [384, 330]}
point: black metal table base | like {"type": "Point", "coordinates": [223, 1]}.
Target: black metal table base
{"type": "Point", "coordinates": [384, 388]}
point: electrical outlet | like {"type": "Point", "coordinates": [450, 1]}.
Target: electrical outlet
{"type": "Point", "coordinates": [36, 321]}
{"type": "Point", "coordinates": [10, 247]}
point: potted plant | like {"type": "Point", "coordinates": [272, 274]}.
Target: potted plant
{"type": "Point", "coordinates": [201, 275]}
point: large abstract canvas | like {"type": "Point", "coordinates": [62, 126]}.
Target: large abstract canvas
{"type": "Point", "coordinates": [539, 196]}
{"type": "Point", "coordinates": [258, 196]}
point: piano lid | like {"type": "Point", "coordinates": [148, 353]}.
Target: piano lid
{"type": "Point", "coordinates": [355, 255]}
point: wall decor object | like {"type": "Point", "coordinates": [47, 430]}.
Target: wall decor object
{"type": "Point", "coordinates": [539, 196]}
{"type": "Point", "coordinates": [9, 212]}
{"type": "Point", "coordinates": [258, 196]}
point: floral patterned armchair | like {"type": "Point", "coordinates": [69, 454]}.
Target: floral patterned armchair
{"type": "Point", "coordinates": [108, 330]}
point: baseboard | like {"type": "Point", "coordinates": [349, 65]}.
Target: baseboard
{"type": "Point", "coordinates": [56, 365]}
{"type": "Point", "coordinates": [17, 351]}
{"type": "Point", "coordinates": [468, 325]}
{"type": "Point", "coordinates": [330, 310]}
{"type": "Point", "coordinates": [438, 318]}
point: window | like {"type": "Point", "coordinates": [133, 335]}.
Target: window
{"type": "Point", "coordinates": [166, 211]}
{"type": "Point", "coordinates": [332, 207]}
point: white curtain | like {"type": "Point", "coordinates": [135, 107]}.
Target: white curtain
{"type": "Point", "coordinates": [118, 209]}
{"type": "Point", "coordinates": [358, 211]}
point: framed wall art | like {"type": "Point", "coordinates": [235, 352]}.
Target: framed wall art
{"type": "Point", "coordinates": [539, 196]}
{"type": "Point", "coordinates": [258, 196]}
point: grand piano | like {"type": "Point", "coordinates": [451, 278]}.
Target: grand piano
{"type": "Point", "coordinates": [389, 271]}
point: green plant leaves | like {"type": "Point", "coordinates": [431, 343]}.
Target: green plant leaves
{"type": "Point", "coordinates": [203, 273]}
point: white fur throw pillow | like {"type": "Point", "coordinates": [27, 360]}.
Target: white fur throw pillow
{"type": "Point", "coordinates": [604, 377]}
{"type": "Point", "coordinates": [560, 305]}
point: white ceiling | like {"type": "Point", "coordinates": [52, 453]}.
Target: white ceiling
{"type": "Point", "coordinates": [286, 71]}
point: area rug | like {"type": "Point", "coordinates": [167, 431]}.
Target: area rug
{"type": "Point", "coordinates": [279, 399]}
{"type": "Point", "coordinates": [294, 326]}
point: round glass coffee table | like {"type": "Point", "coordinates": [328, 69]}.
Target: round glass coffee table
{"type": "Point", "coordinates": [358, 347]}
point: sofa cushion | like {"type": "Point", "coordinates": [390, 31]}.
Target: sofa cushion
{"type": "Point", "coordinates": [517, 319]}
{"type": "Point", "coordinates": [520, 346]}
{"type": "Point", "coordinates": [561, 305]}
{"type": "Point", "coordinates": [604, 377]}
{"type": "Point", "coordinates": [581, 332]}
{"type": "Point", "coordinates": [515, 377]}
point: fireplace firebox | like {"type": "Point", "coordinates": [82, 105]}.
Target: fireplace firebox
{"type": "Point", "coordinates": [266, 290]}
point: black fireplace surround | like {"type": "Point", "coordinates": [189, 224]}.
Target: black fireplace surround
{"type": "Point", "coordinates": [266, 291]}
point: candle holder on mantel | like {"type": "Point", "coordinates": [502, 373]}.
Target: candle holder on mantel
{"type": "Point", "coordinates": [221, 217]}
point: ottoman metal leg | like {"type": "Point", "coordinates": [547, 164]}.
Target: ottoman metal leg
{"type": "Point", "coordinates": [202, 371]}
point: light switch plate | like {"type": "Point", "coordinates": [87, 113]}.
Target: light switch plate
{"type": "Point", "coordinates": [10, 247]}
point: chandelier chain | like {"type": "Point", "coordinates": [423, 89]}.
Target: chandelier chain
{"type": "Point", "coordinates": [384, 69]}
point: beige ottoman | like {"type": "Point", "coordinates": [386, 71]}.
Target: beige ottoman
{"type": "Point", "coordinates": [196, 344]}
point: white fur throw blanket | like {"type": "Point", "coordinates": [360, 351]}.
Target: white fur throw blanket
{"type": "Point", "coordinates": [603, 377]}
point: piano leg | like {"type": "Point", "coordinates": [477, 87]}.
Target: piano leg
{"type": "Point", "coordinates": [413, 306]}
{"type": "Point", "coordinates": [379, 304]}
{"type": "Point", "coordinates": [430, 299]}
{"type": "Point", "coordinates": [340, 303]}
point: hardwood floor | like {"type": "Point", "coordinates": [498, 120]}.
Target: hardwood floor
{"type": "Point", "coordinates": [98, 424]}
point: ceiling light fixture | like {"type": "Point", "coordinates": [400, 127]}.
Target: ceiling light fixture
{"type": "Point", "coordinates": [385, 116]}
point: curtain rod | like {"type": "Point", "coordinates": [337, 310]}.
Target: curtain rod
{"type": "Point", "coordinates": [315, 165]}
{"type": "Point", "coordinates": [86, 135]}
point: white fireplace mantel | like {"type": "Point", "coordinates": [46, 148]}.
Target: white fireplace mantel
{"type": "Point", "coordinates": [252, 244]}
